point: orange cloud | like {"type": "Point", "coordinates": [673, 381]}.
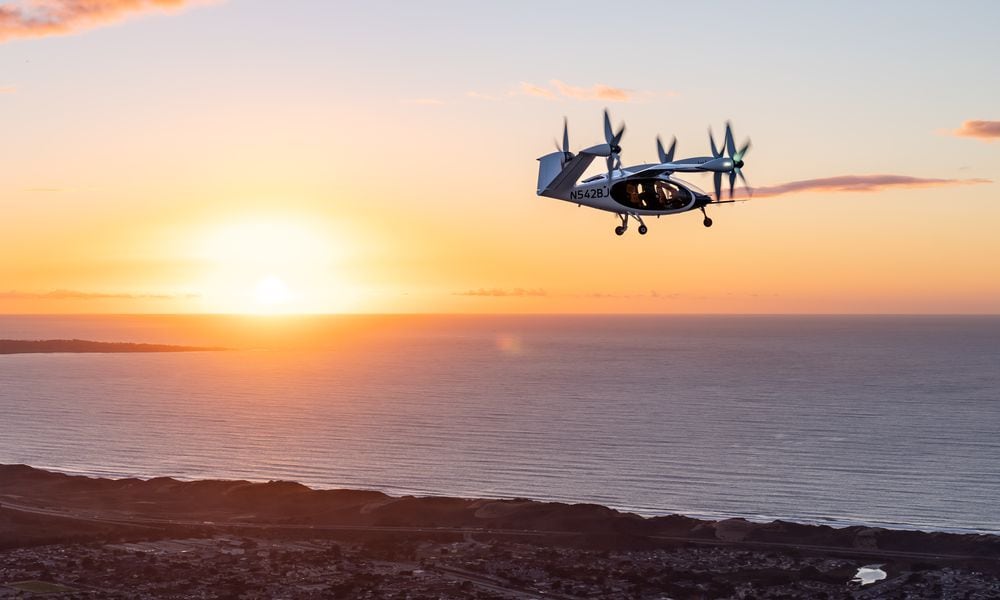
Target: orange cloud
{"type": "Point", "coordinates": [77, 295]}
{"type": "Point", "coordinates": [860, 183]}
{"type": "Point", "coordinates": [597, 92]}
{"type": "Point", "coordinates": [7, 89]}
{"type": "Point", "coordinates": [423, 101]}
{"type": "Point", "coordinates": [502, 293]}
{"type": "Point", "coordinates": [558, 90]}
{"type": "Point", "coordinates": [37, 18]}
{"type": "Point", "coordinates": [531, 89]}
{"type": "Point", "coordinates": [480, 95]}
{"type": "Point", "coordinates": [983, 130]}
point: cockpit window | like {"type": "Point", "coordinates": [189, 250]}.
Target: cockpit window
{"type": "Point", "coordinates": [650, 194]}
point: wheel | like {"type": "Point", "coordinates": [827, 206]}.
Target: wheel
{"type": "Point", "coordinates": [642, 230]}
{"type": "Point", "coordinates": [707, 222]}
{"type": "Point", "coordinates": [619, 230]}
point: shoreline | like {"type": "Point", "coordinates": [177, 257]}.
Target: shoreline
{"type": "Point", "coordinates": [240, 503]}
{"type": "Point", "coordinates": [151, 538]}
{"type": "Point", "coordinates": [645, 513]}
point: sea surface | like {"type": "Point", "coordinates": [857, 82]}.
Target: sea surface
{"type": "Point", "coordinates": [890, 421]}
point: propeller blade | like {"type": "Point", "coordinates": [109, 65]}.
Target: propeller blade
{"type": "Point", "coordinates": [711, 140]}
{"type": "Point", "coordinates": [556, 142]}
{"type": "Point", "coordinates": [665, 155]}
{"type": "Point", "coordinates": [742, 151]}
{"type": "Point", "coordinates": [745, 182]}
{"type": "Point", "coordinates": [608, 132]}
{"type": "Point", "coordinates": [718, 185]}
{"type": "Point", "coordinates": [732, 182]}
{"type": "Point", "coordinates": [730, 144]}
{"type": "Point", "coordinates": [565, 147]}
{"type": "Point", "coordinates": [611, 168]}
{"type": "Point", "coordinates": [618, 136]}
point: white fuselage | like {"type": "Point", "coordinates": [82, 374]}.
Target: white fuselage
{"type": "Point", "coordinates": [597, 194]}
{"type": "Point", "coordinates": [641, 190]}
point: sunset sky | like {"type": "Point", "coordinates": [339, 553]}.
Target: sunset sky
{"type": "Point", "coordinates": [324, 157]}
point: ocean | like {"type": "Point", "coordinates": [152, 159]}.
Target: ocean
{"type": "Point", "coordinates": [891, 421]}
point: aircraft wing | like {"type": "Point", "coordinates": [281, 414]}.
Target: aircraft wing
{"type": "Point", "coordinates": [717, 201]}
{"type": "Point", "coordinates": [668, 168]}
{"type": "Point", "coordinates": [654, 171]}
{"type": "Point", "coordinates": [686, 168]}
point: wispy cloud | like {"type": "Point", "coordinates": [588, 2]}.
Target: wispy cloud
{"type": "Point", "coordinates": [560, 90]}
{"type": "Point", "coordinates": [37, 18]}
{"type": "Point", "coordinates": [78, 295]}
{"type": "Point", "coordinates": [983, 130]}
{"type": "Point", "coordinates": [627, 296]}
{"type": "Point", "coordinates": [597, 92]}
{"type": "Point", "coordinates": [860, 183]}
{"type": "Point", "coordinates": [530, 89]}
{"type": "Point", "coordinates": [423, 101]}
{"type": "Point", "coordinates": [7, 89]}
{"type": "Point", "coordinates": [480, 95]}
{"type": "Point", "coordinates": [502, 293]}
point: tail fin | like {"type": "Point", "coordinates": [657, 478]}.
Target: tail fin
{"type": "Point", "coordinates": [549, 167]}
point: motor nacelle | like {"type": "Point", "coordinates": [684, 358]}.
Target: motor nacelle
{"type": "Point", "coordinates": [719, 165]}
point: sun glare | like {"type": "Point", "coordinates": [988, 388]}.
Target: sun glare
{"type": "Point", "coordinates": [272, 265]}
{"type": "Point", "coordinates": [271, 294]}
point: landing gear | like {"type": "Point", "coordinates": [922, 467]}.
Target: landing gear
{"type": "Point", "coordinates": [708, 221]}
{"type": "Point", "coordinates": [642, 226]}
{"type": "Point", "coordinates": [621, 229]}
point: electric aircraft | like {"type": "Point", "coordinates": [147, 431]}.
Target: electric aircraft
{"type": "Point", "coordinates": [641, 190]}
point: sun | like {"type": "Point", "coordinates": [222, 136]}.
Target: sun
{"type": "Point", "coordinates": [271, 294]}
{"type": "Point", "coordinates": [273, 265]}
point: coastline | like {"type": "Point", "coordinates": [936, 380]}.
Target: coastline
{"type": "Point", "coordinates": [150, 538]}
{"type": "Point", "coordinates": [76, 346]}
{"type": "Point", "coordinates": [241, 502]}
{"type": "Point", "coordinates": [642, 512]}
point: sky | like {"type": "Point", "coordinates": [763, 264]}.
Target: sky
{"type": "Point", "coordinates": [171, 156]}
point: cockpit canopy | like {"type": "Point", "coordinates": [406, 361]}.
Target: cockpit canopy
{"type": "Point", "coordinates": [651, 194]}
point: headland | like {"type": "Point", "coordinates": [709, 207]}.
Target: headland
{"type": "Point", "coordinates": [90, 347]}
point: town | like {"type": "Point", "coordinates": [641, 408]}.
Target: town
{"type": "Point", "coordinates": [235, 566]}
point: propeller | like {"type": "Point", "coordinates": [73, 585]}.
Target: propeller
{"type": "Point", "coordinates": [612, 139]}
{"type": "Point", "coordinates": [567, 155]}
{"type": "Point", "coordinates": [665, 156]}
{"type": "Point", "coordinates": [711, 140]}
{"type": "Point", "coordinates": [737, 157]}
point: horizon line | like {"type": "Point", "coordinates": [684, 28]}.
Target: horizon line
{"type": "Point", "coordinates": [513, 314]}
